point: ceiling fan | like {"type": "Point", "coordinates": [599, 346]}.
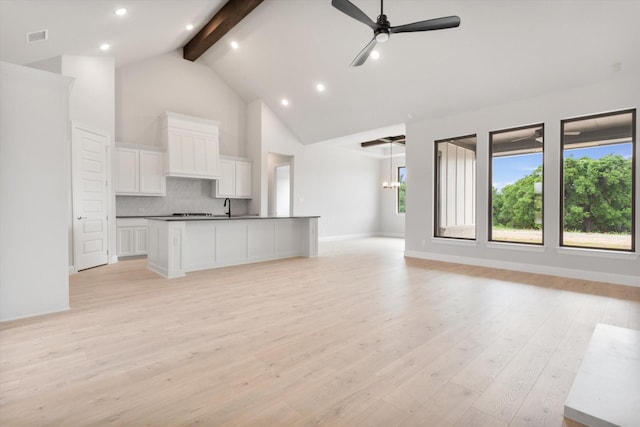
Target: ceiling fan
{"type": "Point", "coordinates": [382, 29]}
{"type": "Point", "coordinates": [535, 135]}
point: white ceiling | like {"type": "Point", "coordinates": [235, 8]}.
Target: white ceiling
{"type": "Point", "coordinates": [503, 50]}
{"type": "Point", "coordinates": [79, 27]}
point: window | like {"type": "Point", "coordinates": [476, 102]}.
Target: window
{"type": "Point", "coordinates": [455, 188]}
{"type": "Point", "coordinates": [516, 177]}
{"type": "Point", "coordinates": [598, 181]}
{"type": "Point", "coordinates": [402, 189]}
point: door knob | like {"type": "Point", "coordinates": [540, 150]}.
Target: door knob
{"type": "Point", "coordinates": [82, 217]}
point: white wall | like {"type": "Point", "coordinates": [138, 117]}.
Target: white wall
{"type": "Point", "coordinates": [391, 222]}
{"type": "Point", "coordinates": [340, 186]}
{"type": "Point", "coordinates": [606, 266]}
{"type": "Point", "coordinates": [34, 183]}
{"type": "Point", "coordinates": [92, 103]}
{"type": "Point", "coordinates": [254, 151]}
{"type": "Point", "coordinates": [146, 89]}
{"type": "Point", "coordinates": [92, 99]}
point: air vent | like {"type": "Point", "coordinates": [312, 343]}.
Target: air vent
{"type": "Point", "coordinates": [37, 36]}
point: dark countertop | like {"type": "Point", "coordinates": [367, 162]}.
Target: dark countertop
{"type": "Point", "coordinates": [140, 216]}
{"type": "Point", "coordinates": [222, 217]}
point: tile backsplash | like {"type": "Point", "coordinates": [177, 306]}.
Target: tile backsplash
{"type": "Point", "coordinates": [183, 195]}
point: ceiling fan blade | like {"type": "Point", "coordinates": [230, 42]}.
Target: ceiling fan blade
{"type": "Point", "coordinates": [348, 8]}
{"type": "Point", "coordinates": [428, 25]}
{"type": "Point", "coordinates": [364, 54]}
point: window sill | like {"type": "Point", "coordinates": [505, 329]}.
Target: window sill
{"type": "Point", "coordinates": [454, 241]}
{"type": "Point", "coordinates": [516, 246]}
{"type": "Point", "coordinates": [598, 253]}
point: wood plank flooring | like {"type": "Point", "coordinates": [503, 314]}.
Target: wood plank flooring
{"type": "Point", "coordinates": [358, 336]}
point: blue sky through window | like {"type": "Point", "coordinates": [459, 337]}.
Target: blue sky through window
{"type": "Point", "coordinates": [509, 169]}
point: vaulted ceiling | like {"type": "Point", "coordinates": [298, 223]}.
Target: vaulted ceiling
{"type": "Point", "coordinates": [502, 51]}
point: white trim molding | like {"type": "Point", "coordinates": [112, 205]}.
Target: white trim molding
{"type": "Point", "coordinates": [619, 279]}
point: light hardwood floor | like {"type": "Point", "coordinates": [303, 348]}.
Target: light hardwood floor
{"type": "Point", "coordinates": [358, 336]}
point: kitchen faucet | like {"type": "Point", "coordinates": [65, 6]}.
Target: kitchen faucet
{"type": "Point", "coordinates": [225, 203]}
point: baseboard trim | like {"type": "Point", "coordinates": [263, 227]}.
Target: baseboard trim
{"type": "Point", "coordinates": [619, 279]}
{"type": "Point", "coordinates": [394, 235]}
{"type": "Point", "coordinates": [26, 316]}
{"type": "Point", "coordinates": [359, 236]}
{"type": "Point", "coordinates": [345, 237]}
{"type": "Point", "coordinates": [72, 270]}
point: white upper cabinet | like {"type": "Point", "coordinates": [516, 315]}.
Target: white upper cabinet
{"type": "Point", "coordinates": [139, 172]}
{"type": "Point", "coordinates": [127, 170]}
{"type": "Point", "coordinates": [191, 144]}
{"type": "Point", "coordinates": [226, 185]}
{"type": "Point", "coordinates": [152, 179]}
{"type": "Point", "coordinates": [235, 179]}
{"type": "Point", "coordinates": [243, 179]}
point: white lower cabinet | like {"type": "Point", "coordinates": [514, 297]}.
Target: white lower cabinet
{"type": "Point", "coordinates": [132, 236]}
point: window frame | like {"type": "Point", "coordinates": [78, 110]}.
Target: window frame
{"type": "Point", "coordinates": [490, 195]}
{"type": "Point", "coordinates": [634, 144]}
{"type": "Point", "coordinates": [436, 192]}
{"type": "Point", "coordinates": [398, 191]}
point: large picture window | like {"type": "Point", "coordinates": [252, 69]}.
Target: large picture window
{"type": "Point", "coordinates": [455, 188]}
{"type": "Point", "coordinates": [402, 189]}
{"type": "Point", "coordinates": [598, 181]}
{"type": "Point", "coordinates": [516, 179]}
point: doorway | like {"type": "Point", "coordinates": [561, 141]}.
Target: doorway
{"type": "Point", "coordinates": [282, 187]}
{"type": "Point", "coordinates": [280, 184]}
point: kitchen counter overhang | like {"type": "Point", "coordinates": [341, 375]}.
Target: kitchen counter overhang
{"type": "Point", "coordinates": [178, 245]}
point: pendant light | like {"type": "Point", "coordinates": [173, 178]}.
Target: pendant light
{"type": "Point", "coordinates": [391, 184]}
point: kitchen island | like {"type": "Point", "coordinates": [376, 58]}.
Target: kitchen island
{"type": "Point", "coordinates": [178, 245]}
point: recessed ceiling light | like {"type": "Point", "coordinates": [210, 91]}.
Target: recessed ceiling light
{"type": "Point", "coordinates": [105, 46]}
{"type": "Point", "coordinates": [320, 87]}
{"type": "Point", "coordinates": [189, 27]}
{"type": "Point", "coordinates": [374, 54]}
{"type": "Point", "coordinates": [121, 12]}
{"type": "Point", "coordinates": [284, 102]}
{"type": "Point", "coordinates": [234, 44]}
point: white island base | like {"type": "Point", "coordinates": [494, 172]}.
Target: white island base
{"type": "Point", "coordinates": [177, 247]}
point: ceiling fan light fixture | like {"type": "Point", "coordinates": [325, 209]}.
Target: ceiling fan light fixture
{"type": "Point", "coordinates": [382, 27]}
{"type": "Point", "coordinates": [374, 54]}
{"type": "Point", "coordinates": [382, 36]}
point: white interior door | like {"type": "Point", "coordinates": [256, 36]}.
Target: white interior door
{"type": "Point", "coordinates": [89, 187]}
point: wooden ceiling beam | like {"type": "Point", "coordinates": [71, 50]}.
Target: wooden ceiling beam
{"type": "Point", "coordinates": [222, 22]}
{"type": "Point", "coordinates": [398, 139]}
